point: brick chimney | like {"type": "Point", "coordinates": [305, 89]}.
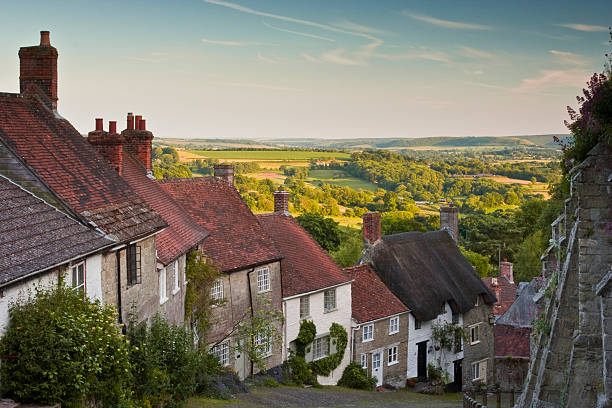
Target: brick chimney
{"type": "Point", "coordinates": [371, 227]}
{"type": "Point", "coordinates": [505, 269]}
{"type": "Point", "coordinates": [281, 202]}
{"type": "Point", "coordinates": [449, 220]}
{"type": "Point", "coordinates": [38, 66]}
{"type": "Point", "coordinates": [225, 172]}
{"type": "Point", "coordinates": [138, 140]}
{"type": "Point", "coordinates": [108, 144]}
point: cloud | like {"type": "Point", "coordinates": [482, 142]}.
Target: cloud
{"type": "Point", "coordinates": [584, 27]}
{"type": "Point", "coordinates": [266, 59]}
{"type": "Point", "coordinates": [447, 23]}
{"type": "Point", "coordinates": [340, 56]}
{"type": "Point", "coordinates": [318, 37]}
{"type": "Point", "coordinates": [574, 78]}
{"type": "Point", "coordinates": [476, 54]}
{"type": "Point", "coordinates": [310, 58]}
{"type": "Point", "coordinates": [232, 43]}
{"type": "Point", "coordinates": [349, 25]}
{"type": "Point", "coordinates": [485, 85]}
{"type": "Point", "coordinates": [569, 58]}
{"type": "Point", "coordinates": [424, 55]}
{"type": "Point", "coordinates": [259, 86]}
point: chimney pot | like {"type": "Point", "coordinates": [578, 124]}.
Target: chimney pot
{"type": "Point", "coordinates": [130, 121]}
{"type": "Point", "coordinates": [112, 126]}
{"type": "Point", "coordinates": [371, 227]}
{"type": "Point", "coordinates": [281, 201]}
{"type": "Point", "coordinates": [225, 172]}
{"type": "Point", "coordinates": [44, 38]}
{"type": "Point", "coordinates": [99, 124]}
{"type": "Point", "coordinates": [143, 124]}
{"type": "Point", "coordinates": [137, 119]}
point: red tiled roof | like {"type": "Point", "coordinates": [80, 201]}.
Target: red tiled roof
{"type": "Point", "coordinates": [236, 239]}
{"type": "Point", "coordinates": [511, 340]}
{"type": "Point", "coordinates": [66, 162]}
{"type": "Point", "coordinates": [182, 232]}
{"type": "Point", "coordinates": [507, 293]}
{"type": "Point", "coordinates": [306, 266]}
{"type": "Point", "coordinates": [371, 298]}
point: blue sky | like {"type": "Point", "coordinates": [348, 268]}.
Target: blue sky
{"type": "Point", "coordinates": [327, 69]}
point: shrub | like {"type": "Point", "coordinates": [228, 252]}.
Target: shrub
{"type": "Point", "coordinates": [356, 377]}
{"type": "Point", "coordinates": [60, 347]}
{"type": "Point", "coordinates": [300, 372]}
{"type": "Point", "coordinates": [270, 382]}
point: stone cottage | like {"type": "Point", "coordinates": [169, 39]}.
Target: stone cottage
{"type": "Point", "coordinates": [379, 337]}
{"type": "Point", "coordinates": [314, 287]}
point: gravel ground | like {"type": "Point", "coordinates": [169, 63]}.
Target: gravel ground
{"type": "Point", "coordinates": [332, 397]}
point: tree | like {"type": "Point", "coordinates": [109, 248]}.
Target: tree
{"type": "Point", "coordinates": [324, 230]}
{"type": "Point", "coordinates": [481, 263]}
{"type": "Point", "coordinates": [528, 264]}
{"type": "Point", "coordinates": [399, 221]}
{"type": "Point", "coordinates": [350, 248]}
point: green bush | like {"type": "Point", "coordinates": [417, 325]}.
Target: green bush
{"type": "Point", "coordinates": [356, 377]}
{"type": "Point", "coordinates": [60, 347]}
{"type": "Point", "coordinates": [270, 382]}
{"type": "Point", "coordinates": [300, 372]}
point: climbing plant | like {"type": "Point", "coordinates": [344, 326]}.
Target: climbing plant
{"type": "Point", "coordinates": [447, 336]}
{"type": "Point", "coordinates": [338, 337]}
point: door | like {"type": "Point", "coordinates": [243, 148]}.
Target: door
{"type": "Point", "coordinates": [377, 367]}
{"type": "Point", "coordinates": [240, 363]}
{"type": "Point", "coordinates": [458, 374]}
{"type": "Point", "coordinates": [422, 360]}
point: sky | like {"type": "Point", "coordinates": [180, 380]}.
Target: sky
{"type": "Point", "coordinates": [315, 68]}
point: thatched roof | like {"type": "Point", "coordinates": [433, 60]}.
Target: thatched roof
{"type": "Point", "coordinates": [425, 269]}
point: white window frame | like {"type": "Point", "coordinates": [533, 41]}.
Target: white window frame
{"type": "Point", "coordinates": [474, 330]}
{"type": "Point", "coordinates": [304, 307]}
{"type": "Point", "coordinates": [175, 278]}
{"type": "Point", "coordinates": [221, 351]}
{"type": "Point", "coordinates": [481, 368]}
{"type": "Point", "coordinates": [417, 324]}
{"type": "Point", "coordinates": [263, 280]}
{"type": "Point", "coordinates": [163, 295]}
{"type": "Point", "coordinates": [216, 290]}
{"type": "Point", "coordinates": [328, 296]}
{"type": "Point", "coordinates": [392, 355]}
{"type": "Point", "coordinates": [364, 361]}
{"type": "Point", "coordinates": [393, 325]}
{"type": "Point", "coordinates": [74, 275]}
{"type": "Point", "coordinates": [367, 333]}
{"type": "Point", "coordinates": [262, 344]}
{"type": "Point", "coordinates": [376, 357]}
{"type": "Point", "coordinates": [320, 347]}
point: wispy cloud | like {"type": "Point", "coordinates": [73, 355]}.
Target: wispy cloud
{"type": "Point", "coordinates": [260, 86]}
{"type": "Point", "coordinates": [232, 43]}
{"type": "Point", "coordinates": [266, 59]}
{"type": "Point", "coordinates": [349, 25]}
{"type": "Point", "coordinates": [584, 27]}
{"type": "Point", "coordinates": [475, 53]}
{"type": "Point", "coordinates": [569, 58]}
{"type": "Point", "coordinates": [458, 25]}
{"type": "Point", "coordinates": [575, 78]}
{"type": "Point", "coordinates": [310, 58]}
{"type": "Point", "coordinates": [436, 56]}
{"type": "Point", "coordinates": [340, 56]}
{"type": "Point", "coordinates": [318, 37]}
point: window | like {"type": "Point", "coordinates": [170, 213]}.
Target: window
{"type": "Point", "coordinates": [329, 300]}
{"type": "Point", "coordinates": [221, 351]}
{"type": "Point", "coordinates": [392, 356]}
{"type": "Point", "coordinates": [368, 333]}
{"type": "Point", "coordinates": [474, 338]}
{"type": "Point", "coordinates": [364, 361]}
{"type": "Point", "coordinates": [458, 343]}
{"type": "Point", "coordinates": [262, 345]}
{"type": "Point", "coordinates": [162, 286]}
{"type": "Point", "coordinates": [376, 361]}
{"type": "Point", "coordinates": [304, 307]}
{"type": "Point", "coordinates": [417, 324]}
{"type": "Point", "coordinates": [216, 291]}
{"type": "Point", "coordinates": [320, 347]}
{"type": "Point", "coordinates": [78, 276]}
{"type": "Point", "coordinates": [394, 325]}
{"type": "Point", "coordinates": [175, 278]}
{"type": "Point", "coordinates": [479, 370]}
{"type": "Point", "coordinates": [263, 280]}
{"type": "Point", "coordinates": [133, 264]}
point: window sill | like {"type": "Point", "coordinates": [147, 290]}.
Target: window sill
{"type": "Point", "coordinates": [162, 301]}
{"type": "Point", "coordinates": [319, 358]}
{"type": "Point", "coordinates": [474, 342]}
{"type": "Point", "coordinates": [305, 318]}
{"type": "Point", "coordinates": [264, 291]}
{"type": "Point", "coordinates": [393, 363]}
{"type": "Point", "coordinates": [392, 333]}
{"type": "Point", "coordinates": [330, 310]}
{"type": "Point", "coordinates": [367, 341]}
{"type": "Point", "coordinates": [175, 291]}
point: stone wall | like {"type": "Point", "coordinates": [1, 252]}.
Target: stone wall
{"type": "Point", "coordinates": [483, 349]}
{"type": "Point", "coordinates": [510, 372]}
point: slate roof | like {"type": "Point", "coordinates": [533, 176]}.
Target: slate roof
{"type": "Point", "coordinates": [306, 267]}
{"type": "Point", "coordinates": [72, 168]}
{"type": "Point", "coordinates": [35, 236]}
{"type": "Point", "coordinates": [425, 269]}
{"type": "Point", "coordinates": [237, 240]}
{"type": "Point", "coordinates": [522, 312]}
{"type": "Point", "coordinates": [182, 233]}
{"type": "Point", "coordinates": [511, 341]}
{"type": "Point", "coordinates": [507, 293]}
{"type": "Point", "coordinates": [371, 299]}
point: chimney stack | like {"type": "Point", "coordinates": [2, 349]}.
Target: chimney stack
{"type": "Point", "coordinates": [38, 67]}
{"type": "Point", "coordinates": [225, 172]}
{"type": "Point", "coordinates": [281, 201]}
{"type": "Point", "coordinates": [371, 227]}
{"type": "Point", "coordinates": [505, 270]}
{"type": "Point", "coordinates": [138, 141]}
{"type": "Point", "coordinates": [108, 144]}
{"type": "Point", "coordinates": [449, 220]}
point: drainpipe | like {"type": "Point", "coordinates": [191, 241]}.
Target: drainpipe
{"type": "Point", "coordinates": [251, 304]}
{"type": "Point", "coordinates": [118, 256]}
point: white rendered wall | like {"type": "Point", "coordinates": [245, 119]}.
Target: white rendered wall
{"type": "Point", "coordinates": [425, 333]}
{"type": "Point", "coordinates": [323, 321]}
{"type": "Point", "coordinates": [93, 277]}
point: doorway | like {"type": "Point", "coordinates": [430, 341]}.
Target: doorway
{"type": "Point", "coordinates": [458, 373]}
{"type": "Point", "coordinates": [377, 370]}
{"type": "Point", "coordinates": [422, 360]}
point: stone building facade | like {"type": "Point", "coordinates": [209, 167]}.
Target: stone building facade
{"type": "Point", "coordinates": [478, 349]}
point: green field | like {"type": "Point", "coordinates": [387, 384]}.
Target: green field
{"type": "Point", "coordinates": [263, 155]}
{"type": "Point", "coordinates": [339, 178]}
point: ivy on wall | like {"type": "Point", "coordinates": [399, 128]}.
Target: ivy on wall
{"type": "Point", "coordinates": [338, 337]}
